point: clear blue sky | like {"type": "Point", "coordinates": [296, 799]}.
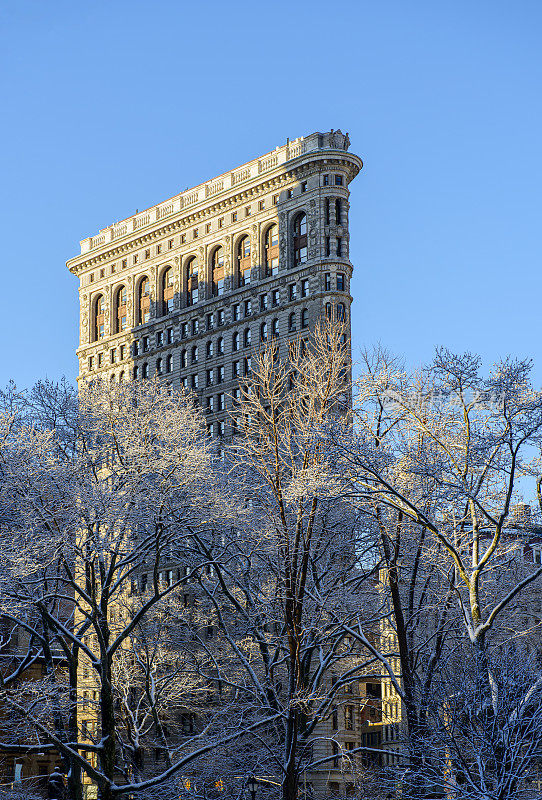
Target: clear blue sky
{"type": "Point", "coordinates": [109, 107]}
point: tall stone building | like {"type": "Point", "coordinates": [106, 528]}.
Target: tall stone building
{"type": "Point", "coordinates": [190, 288]}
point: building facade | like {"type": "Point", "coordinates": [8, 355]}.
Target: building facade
{"type": "Point", "coordinates": [189, 289]}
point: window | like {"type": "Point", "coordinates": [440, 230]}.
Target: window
{"type": "Point", "coordinates": [246, 337]}
{"type": "Point", "coordinates": [247, 308]}
{"type": "Point", "coordinates": [185, 382]}
{"type": "Point", "coordinates": [135, 258]}
{"type": "Point", "coordinates": [328, 311]}
{"type": "Point", "coordinates": [120, 305]}
{"type": "Point", "coordinates": [194, 355]}
{"type": "Point", "coordinates": [235, 369]}
{"type": "Point", "coordinates": [292, 291]}
{"type": "Point", "coordinates": [191, 278]}
{"type": "Point", "coordinates": [183, 359]}
{"type": "Point", "coordinates": [300, 239]}
{"type": "Point", "coordinates": [305, 287]}
{"type": "Point", "coordinates": [235, 341]}
{"type": "Point", "coordinates": [220, 347]}
{"type": "Point", "coordinates": [247, 211]}
{"type": "Point", "coordinates": [339, 246]}
{"type": "Point", "coordinates": [100, 359]}
{"type": "Point", "coordinates": [183, 238]}
{"type": "Point", "coordinates": [145, 370]}
{"type": "Point", "coordinates": [236, 312]}
{"type": "Point", "coordinates": [169, 332]}
{"type": "Point", "coordinates": [195, 233]}
{"type": "Point", "coordinates": [275, 199]}
{"type": "Point", "coordinates": [327, 281]}
{"type": "Point", "coordinates": [144, 301]}
{"type": "Point", "coordinates": [271, 250]}
{"type": "Point", "coordinates": [209, 403]}
{"type": "Point", "coordinates": [220, 401]}
{"type": "Point", "coordinates": [335, 753]}
{"type": "Point", "coordinates": [338, 212]}
{"type": "Point", "coordinates": [159, 338]}
{"type": "Point", "coordinates": [210, 321]}
{"type": "Point", "coordinates": [338, 180]}
{"type": "Point", "coordinates": [341, 312]}
{"type": "Point", "coordinates": [135, 348]}
{"type": "Point", "coordinates": [145, 341]}
{"type": "Point", "coordinates": [98, 317]}
{"type": "Point", "coordinates": [221, 222]}
{"type": "Point", "coordinates": [208, 228]}
{"type": "Point", "coordinates": [326, 180]}
{"type": "Point", "coordinates": [290, 194]}
{"type": "Point", "coordinates": [261, 205]}
{"type": "Point", "coordinates": [169, 363]}
{"type": "Point", "coordinates": [327, 211]}
{"type": "Point", "coordinates": [303, 187]}
{"type": "Point", "coordinates": [243, 261]}
{"type": "Point", "coordinates": [195, 327]}
{"type": "Point", "coordinates": [122, 352]}
{"type": "Point", "coordinates": [236, 394]}
{"type": "Point", "coordinates": [167, 291]}
{"type": "Point", "coordinates": [234, 216]}
{"type": "Point", "coordinates": [292, 322]}
{"type": "Point", "coordinates": [328, 246]}
{"type": "Point", "coordinates": [194, 381]}
{"type": "Point", "coordinates": [217, 272]}
{"type": "Point", "coordinates": [246, 365]}
{"type": "Point", "coordinates": [349, 718]}
{"type": "Point", "coordinates": [263, 332]}
{"type": "Point", "coordinates": [209, 349]}
{"type": "Point", "coordinates": [275, 297]}
{"type": "Point", "coordinates": [184, 330]}
{"type": "Point", "coordinates": [124, 263]}
{"type": "Point", "coordinates": [275, 327]}
{"type": "Point", "coordinates": [304, 318]}
{"type": "Point", "coordinates": [209, 377]}
{"type": "Point", "coordinates": [335, 720]}
{"type": "Point", "coordinates": [220, 317]}
{"type": "Point", "coordinates": [159, 366]}
{"type": "Point", "coordinates": [220, 374]}
{"type": "Point", "coordinates": [147, 254]}
{"type": "Point", "coordinates": [170, 244]}
{"type": "Point", "coordinates": [263, 302]}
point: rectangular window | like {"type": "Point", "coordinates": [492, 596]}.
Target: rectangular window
{"type": "Point", "coordinates": [340, 281]}
{"type": "Point", "coordinates": [122, 352]}
{"type": "Point", "coordinates": [326, 180]}
{"type": "Point", "coordinates": [349, 718]}
{"type": "Point", "coordinates": [195, 233]}
{"type": "Point", "coordinates": [91, 278]}
{"type": "Point", "coordinates": [220, 317]}
{"type": "Point", "coordinates": [221, 222]}
{"type": "Point", "coordinates": [327, 281]}
{"type": "Point", "coordinates": [124, 263]}
{"type": "Point", "coordinates": [304, 186]}
{"type": "Point", "coordinates": [194, 327]}
{"type": "Point", "coordinates": [305, 287]}
{"type": "Point", "coordinates": [247, 308]}
{"type": "Point", "coordinates": [328, 246]}
{"type": "Point", "coordinates": [90, 362]}
{"type": "Point", "coordinates": [102, 273]}
{"type": "Point", "coordinates": [209, 403]}
{"type": "Point", "coordinates": [113, 269]}
{"type": "Point", "coordinates": [220, 374]}
{"type": "Point", "coordinates": [275, 297]}
{"type": "Point", "coordinates": [145, 343]}
{"type": "Point", "coordinates": [159, 338]}
{"type": "Point", "coordinates": [292, 291]}
{"type": "Point", "coordinates": [208, 228]}
{"type": "Point", "coordinates": [195, 381]}
{"type": "Point", "coordinates": [339, 246]}
{"type": "Point", "coordinates": [135, 259]}
{"type": "Point", "coordinates": [220, 401]}
{"type": "Point", "coordinates": [263, 302]}
{"type": "Point", "coordinates": [338, 180]}
{"type": "Point", "coordinates": [184, 330]}
{"type": "Point", "coordinates": [220, 428]}
{"type": "Point", "coordinates": [158, 249]}
{"type": "Point", "coordinates": [234, 216]}
{"type": "Point", "coordinates": [209, 377]}
{"type": "Point", "coordinates": [290, 194]}
{"type": "Point", "coordinates": [170, 244]}
{"type": "Point", "coordinates": [275, 199]}
{"type": "Point", "coordinates": [236, 312]}
{"type": "Point", "coordinates": [261, 205]}
{"type": "Point", "coordinates": [235, 369]}
{"type": "Point", "coordinates": [183, 238]}
{"type": "Point", "coordinates": [147, 254]}
{"type": "Point", "coordinates": [113, 355]}
{"type": "Point", "coordinates": [247, 211]}
{"type": "Point", "coordinates": [210, 321]}
{"type": "Point", "coordinates": [100, 359]}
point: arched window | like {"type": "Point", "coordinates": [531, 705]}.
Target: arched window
{"type": "Point", "coordinates": [167, 291]}
{"type": "Point", "coordinates": [300, 239]}
{"type": "Point", "coordinates": [275, 327]}
{"type": "Point", "coordinates": [217, 272]}
{"type": "Point", "coordinates": [271, 250]}
{"type": "Point", "coordinates": [159, 366]}
{"type": "Point", "coordinates": [183, 359]}
{"type": "Point", "coordinates": [209, 350]}
{"type": "Point", "coordinates": [144, 301]}
{"type": "Point", "coordinates": [120, 309]}
{"type": "Point", "coordinates": [263, 332]}
{"type": "Point", "coordinates": [329, 313]}
{"type": "Point", "coordinates": [243, 261]}
{"type": "Point", "coordinates": [235, 341]}
{"type": "Point", "coordinates": [169, 363]}
{"type": "Point", "coordinates": [292, 322]}
{"type": "Point", "coordinates": [338, 212]}
{"type": "Point", "coordinates": [194, 355]}
{"type": "Point", "coordinates": [305, 318]}
{"type": "Point", "coordinates": [246, 337]}
{"type": "Point", "coordinates": [121, 377]}
{"type": "Point", "coordinates": [191, 281]}
{"type": "Point", "coordinates": [220, 347]}
{"type": "Point", "coordinates": [98, 318]}
{"type": "Point", "coordinates": [341, 312]}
